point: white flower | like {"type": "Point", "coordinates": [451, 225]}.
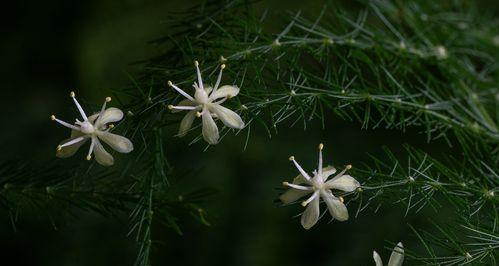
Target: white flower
{"type": "Point", "coordinates": [396, 259]}
{"type": "Point", "coordinates": [94, 128]}
{"type": "Point", "coordinates": [207, 104]}
{"type": "Point", "coordinates": [320, 187]}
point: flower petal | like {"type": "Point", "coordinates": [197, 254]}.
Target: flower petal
{"type": "Point", "coordinates": [311, 214]}
{"type": "Point", "coordinates": [292, 195]}
{"type": "Point", "coordinates": [117, 142]}
{"type": "Point", "coordinates": [377, 259]}
{"type": "Point", "coordinates": [185, 102]}
{"type": "Point", "coordinates": [299, 179]}
{"type": "Point", "coordinates": [328, 171]}
{"type": "Point", "coordinates": [397, 257]}
{"type": "Point", "coordinates": [101, 155]}
{"type": "Point", "coordinates": [186, 123]}
{"type": "Point", "coordinates": [110, 115]}
{"type": "Point", "coordinates": [93, 117]}
{"type": "Point", "coordinates": [225, 91]}
{"type": "Point", "coordinates": [70, 150]}
{"type": "Point", "coordinates": [210, 130]}
{"type": "Point", "coordinates": [344, 182]}
{"type": "Point", "coordinates": [336, 208]}
{"type": "Point", "coordinates": [208, 90]}
{"type": "Point", "coordinates": [228, 117]}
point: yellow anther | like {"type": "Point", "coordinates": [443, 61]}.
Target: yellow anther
{"type": "Point", "coordinates": [52, 117]}
{"type": "Point", "coordinates": [198, 114]}
{"type": "Point", "coordinates": [304, 203]}
{"type": "Point", "coordinates": [170, 106]}
{"type": "Point", "coordinates": [342, 199]}
{"type": "Point", "coordinates": [196, 63]}
{"type": "Point", "coordinates": [89, 157]}
{"type": "Point", "coordinates": [291, 158]}
{"type": "Point", "coordinates": [108, 99]}
{"type": "Point", "coordinates": [72, 94]}
{"type": "Point", "coordinates": [59, 147]}
{"type": "Point", "coordinates": [170, 83]}
{"type": "Point", "coordinates": [349, 167]}
{"type": "Point", "coordinates": [321, 146]}
{"type": "Point", "coordinates": [285, 183]}
{"type": "Point", "coordinates": [222, 66]}
{"type": "Point", "coordinates": [111, 126]}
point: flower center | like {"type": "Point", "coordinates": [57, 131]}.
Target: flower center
{"type": "Point", "coordinates": [201, 96]}
{"type": "Point", "coordinates": [86, 127]}
{"type": "Point", "coordinates": [317, 184]}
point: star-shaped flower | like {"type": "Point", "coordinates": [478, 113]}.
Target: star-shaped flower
{"type": "Point", "coordinates": [396, 259]}
{"type": "Point", "coordinates": [206, 103]}
{"type": "Point", "coordinates": [320, 187]}
{"type": "Point", "coordinates": [94, 127]}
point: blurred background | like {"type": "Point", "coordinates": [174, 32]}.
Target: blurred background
{"type": "Point", "coordinates": [51, 47]}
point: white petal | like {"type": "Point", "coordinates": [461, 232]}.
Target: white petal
{"type": "Point", "coordinates": [185, 102]}
{"type": "Point", "coordinates": [299, 179]}
{"type": "Point", "coordinates": [377, 259]}
{"type": "Point", "coordinates": [228, 117]}
{"type": "Point", "coordinates": [117, 142]}
{"type": "Point", "coordinates": [101, 155]}
{"type": "Point", "coordinates": [336, 208]}
{"type": "Point", "coordinates": [186, 123]}
{"type": "Point", "coordinates": [69, 151]}
{"type": "Point", "coordinates": [225, 91]}
{"type": "Point", "coordinates": [210, 130]}
{"type": "Point", "coordinates": [208, 90]}
{"type": "Point", "coordinates": [292, 195]}
{"type": "Point", "coordinates": [311, 214]}
{"type": "Point", "coordinates": [327, 171]}
{"type": "Point", "coordinates": [344, 182]}
{"type": "Point", "coordinates": [397, 257]}
{"type": "Point", "coordinates": [93, 117]}
{"type": "Point", "coordinates": [110, 115]}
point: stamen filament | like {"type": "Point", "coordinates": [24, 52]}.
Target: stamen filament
{"type": "Point", "coordinates": [219, 79]}
{"type": "Point", "coordinates": [71, 142]}
{"type": "Point", "coordinates": [108, 99]}
{"type": "Point", "coordinates": [83, 115]}
{"type": "Point", "coordinates": [321, 146]}
{"type": "Point", "coordinates": [181, 107]}
{"type": "Point", "coordinates": [348, 167]}
{"type": "Point", "coordinates": [200, 80]}
{"type": "Point", "coordinates": [91, 149]}
{"type": "Point", "coordinates": [220, 101]}
{"type": "Point", "coordinates": [180, 91]}
{"type": "Point", "coordinates": [302, 172]}
{"type": "Point", "coordinates": [299, 187]}
{"type": "Point", "coordinates": [306, 202]}
{"type": "Point", "coordinates": [64, 123]}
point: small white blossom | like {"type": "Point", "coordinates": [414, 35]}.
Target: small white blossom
{"type": "Point", "coordinates": [206, 104]}
{"type": "Point", "coordinates": [320, 187]}
{"type": "Point", "coordinates": [94, 127]}
{"type": "Point", "coordinates": [441, 52]}
{"type": "Point", "coordinates": [396, 259]}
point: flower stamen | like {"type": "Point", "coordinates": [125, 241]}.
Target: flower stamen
{"type": "Point", "coordinates": [295, 186]}
{"type": "Point", "coordinates": [63, 123]}
{"type": "Point", "coordinates": [219, 79]}
{"type": "Point", "coordinates": [302, 172]}
{"type": "Point", "coordinates": [321, 146]}
{"type": "Point", "coordinates": [200, 80]}
{"type": "Point", "coordinates": [180, 91]}
{"type": "Point", "coordinates": [71, 142]}
{"type": "Point", "coordinates": [83, 115]}
{"type": "Point", "coordinates": [172, 107]}
{"type": "Point", "coordinates": [306, 202]}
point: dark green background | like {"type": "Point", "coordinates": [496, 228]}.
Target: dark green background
{"type": "Point", "coordinates": [50, 48]}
